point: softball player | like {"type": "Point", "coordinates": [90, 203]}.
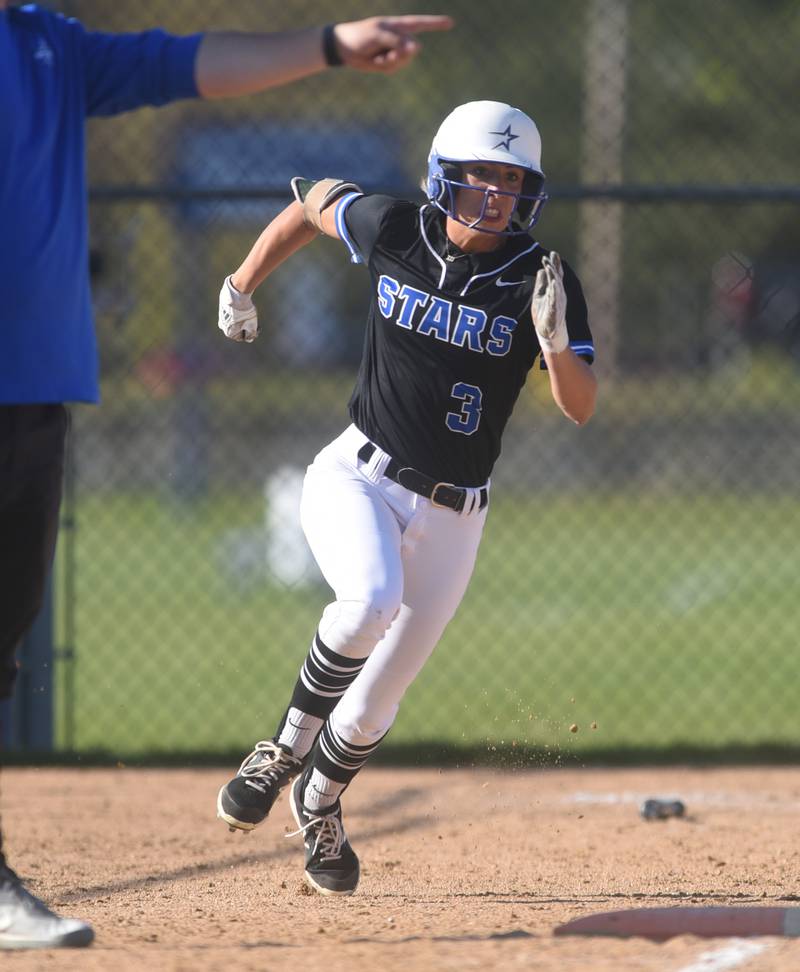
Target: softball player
{"type": "Point", "coordinates": [464, 301]}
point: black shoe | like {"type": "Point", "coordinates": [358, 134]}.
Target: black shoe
{"type": "Point", "coordinates": [245, 802]}
{"type": "Point", "coordinates": [26, 922]}
{"type": "Point", "coordinates": [331, 863]}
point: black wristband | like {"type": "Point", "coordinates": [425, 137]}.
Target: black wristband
{"type": "Point", "coordinates": [329, 49]}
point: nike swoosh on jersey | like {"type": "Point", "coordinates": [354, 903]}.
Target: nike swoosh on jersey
{"type": "Point", "coordinates": [508, 283]}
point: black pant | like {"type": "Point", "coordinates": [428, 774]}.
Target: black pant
{"type": "Point", "coordinates": [32, 439]}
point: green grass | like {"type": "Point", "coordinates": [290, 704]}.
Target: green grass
{"type": "Point", "coordinates": [664, 621]}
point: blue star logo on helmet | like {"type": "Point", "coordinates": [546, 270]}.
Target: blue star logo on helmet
{"type": "Point", "coordinates": [507, 139]}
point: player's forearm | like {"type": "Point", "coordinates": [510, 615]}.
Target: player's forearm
{"type": "Point", "coordinates": [286, 234]}
{"type": "Point", "coordinates": [230, 64]}
{"type": "Point", "coordinates": [573, 385]}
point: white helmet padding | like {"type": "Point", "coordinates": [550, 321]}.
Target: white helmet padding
{"type": "Point", "coordinates": [487, 131]}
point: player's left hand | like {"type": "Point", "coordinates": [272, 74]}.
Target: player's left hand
{"type": "Point", "coordinates": [549, 305]}
{"type": "Point", "coordinates": [384, 44]}
{"type": "Point", "coordinates": [238, 319]}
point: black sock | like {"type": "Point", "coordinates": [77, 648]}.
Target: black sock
{"type": "Point", "coordinates": [324, 678]}
{"type": "Point", "coordinates": [334, 764]}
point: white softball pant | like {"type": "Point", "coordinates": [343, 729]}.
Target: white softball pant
{"type": "Point", "coordinates": [399, 567]}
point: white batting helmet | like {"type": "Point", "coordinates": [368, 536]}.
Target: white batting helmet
{"type": "Point", "coordinates": [489, 131]}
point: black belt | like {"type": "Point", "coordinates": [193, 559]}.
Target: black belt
{"type": "Point", "coordinates": [440, 494]}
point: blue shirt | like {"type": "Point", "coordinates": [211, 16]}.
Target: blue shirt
{"type": "Point", "coordinates": [53, 75]}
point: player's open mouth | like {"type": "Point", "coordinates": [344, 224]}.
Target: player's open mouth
{"type": "Point", "coordinates": [491, 214]}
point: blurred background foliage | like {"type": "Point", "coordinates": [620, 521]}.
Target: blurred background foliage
{"type": "Point", "coordinates": [638, 590]}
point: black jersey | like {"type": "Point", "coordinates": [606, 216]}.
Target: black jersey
{"type": "Point", "coordinates": [449, 339]}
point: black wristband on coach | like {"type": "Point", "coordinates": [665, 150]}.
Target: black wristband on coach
{"type": "Point", "coordinates": [329, 49]}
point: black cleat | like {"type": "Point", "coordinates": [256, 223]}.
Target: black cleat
{"type": "Point", "coordinates": [26, 922]}
{"type": "Point", "coordinates": [331, 864]}
{"type": "Point", "coordinates": [247, 799]}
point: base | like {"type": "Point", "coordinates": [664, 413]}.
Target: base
{"type": "Point", "coordinates": [659, 924]}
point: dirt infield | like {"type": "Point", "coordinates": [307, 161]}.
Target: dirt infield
{"type": "Point", "coordinates": [461, 869]}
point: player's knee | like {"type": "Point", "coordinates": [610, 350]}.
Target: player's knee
{"type": "Point", "coordinates": [353, 628]}
{"type": "Point", "coordinates": [363, 723]}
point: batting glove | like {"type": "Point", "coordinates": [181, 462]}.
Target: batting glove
{"type": "Point", "coordinates": [549, 305]}
{"type": "Point", "coordinates": [238, 319]}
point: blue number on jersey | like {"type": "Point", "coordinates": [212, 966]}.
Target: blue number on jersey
{"type": "Point", "coordinates": [466, 420]}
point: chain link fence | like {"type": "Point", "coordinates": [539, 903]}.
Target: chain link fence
{"type": "Point", "coordinates": [638, 588]}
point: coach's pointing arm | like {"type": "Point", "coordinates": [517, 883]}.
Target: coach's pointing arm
{"type": "Point", "coordinates": [231, 64]}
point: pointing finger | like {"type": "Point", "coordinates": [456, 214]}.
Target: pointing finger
{"type": "Point", "coordinates": [416, 23]}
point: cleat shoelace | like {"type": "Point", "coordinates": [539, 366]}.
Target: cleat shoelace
{"type": "Point", "coordinates": [328, 839]}
{"type": "Point", "coordinates": [265, 764]}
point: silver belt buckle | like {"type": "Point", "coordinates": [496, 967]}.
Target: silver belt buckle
{"type": "Point", "coordinates": [434, 501]}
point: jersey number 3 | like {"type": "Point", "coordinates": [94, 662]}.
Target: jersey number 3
{"type": "Point", "coordinates": [466, 419]}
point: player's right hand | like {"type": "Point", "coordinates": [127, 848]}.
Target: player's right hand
{"type": "Point", "coordinates": [238, 319]}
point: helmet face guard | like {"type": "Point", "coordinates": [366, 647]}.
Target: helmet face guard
{"type": "Point", "coordinates": [442, 190]}
{"type": "Point", "coordinates": [487, 131]}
